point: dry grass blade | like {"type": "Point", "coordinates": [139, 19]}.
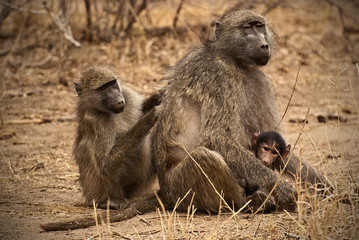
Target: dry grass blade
{"type": "Point", "coordinates": [293, 89]}
{"type": "Point", "coordinates": [96, 221]}
{"type": "Point", "coordinates": [300, 225]}
{"type": "Point", "coordinates": [9, 165]}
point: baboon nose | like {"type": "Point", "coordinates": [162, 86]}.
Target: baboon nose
{"type": "Point", "coordinates": [264, 46]}
{"type": "Point", "coordinates": [121, 103]}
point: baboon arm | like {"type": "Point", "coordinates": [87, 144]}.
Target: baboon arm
{"type": "Point", "coordinates": [129, 144]}
{"type": "Point", "coordinates": [135, 135]}
{"type": "Point", "coordinates": [301, 171]}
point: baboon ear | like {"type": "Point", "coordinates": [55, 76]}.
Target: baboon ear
{"type": "Point", "coordinates": [255, 137]}
{"type": "Point", "coordinates": [287, 150]}
{"type": "Point", "coordinates": [218, 29]}
{"type": "Point", "coordinates": [77, 88]}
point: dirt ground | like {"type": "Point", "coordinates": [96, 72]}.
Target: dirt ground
{"type": "Point", "coordinates": [39, 177]}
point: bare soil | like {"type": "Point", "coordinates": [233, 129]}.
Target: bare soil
{"type": "Point", "coordinates": [39, 177]}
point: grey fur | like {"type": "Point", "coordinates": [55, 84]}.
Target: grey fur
{"type": "Point", "coordinates": [111, 148]}
{"type": "Point", "coordinates": [216, 100]}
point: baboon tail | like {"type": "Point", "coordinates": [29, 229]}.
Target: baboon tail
{"type": "Point", "coordinates": [129, 210]}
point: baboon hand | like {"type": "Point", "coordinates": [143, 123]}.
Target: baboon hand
{"type": "Point", "coordinates": [257, 199]}
{"type": "Point", "coordinates": [147, 121]}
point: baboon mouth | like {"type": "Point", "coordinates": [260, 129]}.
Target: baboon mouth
{"type": "Point", "coordinates": [118, 110]}
{"type": "Point", "coordinates": [263, 60]}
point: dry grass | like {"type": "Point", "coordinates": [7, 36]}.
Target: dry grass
{"type": "Point", "coordinates": [141, 59]}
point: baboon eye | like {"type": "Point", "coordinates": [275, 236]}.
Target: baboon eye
{"type": "Point", "coordinates": [113, 82]}
{"type": "Point", "coordinates": [258, 24]}
{"type": "Point", "coordinates": [246, 26]}
{"type": "Point", "coordinates": [103, 87]}
{"type": "Point", "coordinates": [274, 153]}
{"type": "Point", "coordinates": [266, 149]}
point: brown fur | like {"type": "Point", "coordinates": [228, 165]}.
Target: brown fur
{"type": "Point", "coordinates": [111, 149]}
{"type": "Point", "coordinates": [216, 99]}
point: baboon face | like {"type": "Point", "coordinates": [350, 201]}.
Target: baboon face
{"type": "Point", "coordinates": [245, 36]}
{"type": "Point", "coordinates": [100, 89]}
{"type": "Point", "coordinates": [267, 153]}
{"type": "Point", "coordinates": [110, 97]}
{"type": "Point", "coordinates": [270, 147]}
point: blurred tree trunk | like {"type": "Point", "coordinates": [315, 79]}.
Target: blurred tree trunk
{"type": "Point", "coordinates": [5, 12]}
{"type": "Point", "coordinates": [126, 15]}
{"type": "Point", "coordinates": [89, 22]}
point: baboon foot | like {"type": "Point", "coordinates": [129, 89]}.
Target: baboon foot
{"type": "Point", "coordinates": [113, 204]}
{"type": "Point", "coordinates": [257, 199]}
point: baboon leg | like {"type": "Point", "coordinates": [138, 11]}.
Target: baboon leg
{"type": "Point", "coordinates": [187, 175]}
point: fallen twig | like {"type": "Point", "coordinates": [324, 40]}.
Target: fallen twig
{"type": "Point", "coordinates": [38, 121]}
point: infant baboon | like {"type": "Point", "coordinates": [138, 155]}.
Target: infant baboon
{"type": "Point", "coordinates": [111, 148]}
{"type": "Point", "coordinates": [270, 148]}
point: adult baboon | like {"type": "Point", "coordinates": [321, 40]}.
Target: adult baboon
{"type": "Point", "coordinates": [216, 100]}
{"type": "Point", "coordinates": [111, 147]}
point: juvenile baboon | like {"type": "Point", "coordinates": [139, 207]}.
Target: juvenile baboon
{"type": "Point", "coordinates": [216, 100]}
{"type": "Point", "coordinates": [111, 148]}
{"type": "Point", "coordinates": [270, 148]}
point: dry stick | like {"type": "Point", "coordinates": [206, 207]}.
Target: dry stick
{"type": "Point", "coordinates": [135, 14]}
{"type": "Point", "coordinates": [189, 217]}
{"type": "Point", "coordinates": [20, 9]}
{"type": "Point", "coordinates": [338, 104]}
{"type": "Point", "coordinates": [300, 225]}
{"type": "Point", "coordinates": [255, 231]}
{"type": "Point", "coordinates": [61, 23]}
{"type": "Point", "coordinates": [15, 42]}
{"type": "Point", "coordinates": [179, 201]}
{"type": "Point", "coordinates": [313, 143]}
{"type": "Point", "coordinates": [352, 91]}
{"type": "Point", "coordinates": [96, 221]}
{"type": "Point", "coordinates": [159, 213]}
{"type": "Point", "coordinates": [120, 235]}
{"type": "Point", "coordinates": [88, 18]}
{"type": "Point", "coordinates": [218, 218]}
{"type": "Point", "coordinates": [295, 84]}
{"type": "Point", "coordinates": [108, 215]}
{"type": "Point", "coordinates": [355, 101]}
{"type": "Point", "coordinates": [179, 8]}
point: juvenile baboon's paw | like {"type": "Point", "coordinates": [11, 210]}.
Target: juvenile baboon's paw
{"type": "Point", "coordinates": [149, 119]}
